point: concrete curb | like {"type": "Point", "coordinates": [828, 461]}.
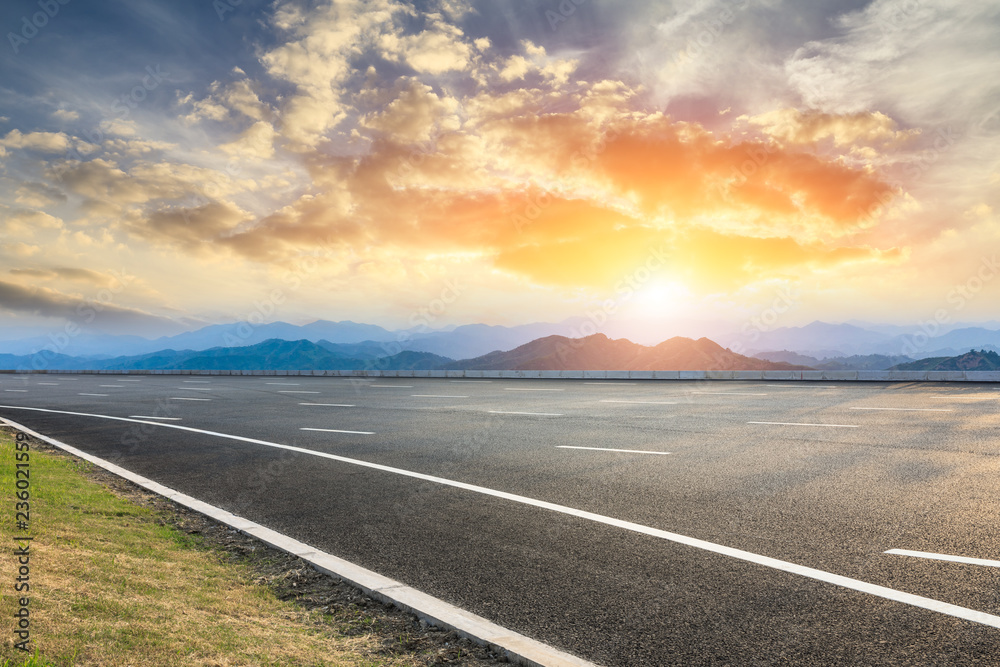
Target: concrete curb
{"type": "Point", "coordinates": [799, 376]}
{"type": "Point", "coordinates": [518, 648]}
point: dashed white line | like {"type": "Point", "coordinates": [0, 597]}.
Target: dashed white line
{"type": "Point", "coordinates": [337, 430]}
{"type": "Point", "coordinates": [173, 419]}
{"type": "Point", "coordinates": [605, 449]}
{"type": "Point", "coordinates": [613, 383]}
{"type": "Point", "coordinates": [130, 380]}
{"type": "Point", "coordinates": [296, 391]}
{"type": "Point", "coordinates": [800, 424]}
{"type": "Point", "coordinates": [51, 384]}
{"type": "Point", "coordinates": [473, 381]}
{"type": "Point", "coordinates": [726, 393]}
{"type": "Point", "coordinates": [285, 384]}
{"type": "Point", "coordinates": [608, 400]}
{"type": "Point", "coordinates": [17, 390]}
{"type": "Point", "coordinates": [540, 414]}
{"type": "Point", "coordinates": [331, 405]}
{"type": "Point", "coordinates": [392, 386]}
{"type": "Point", "coordinates": [435, 396]}
{"type": "Point", "coordinates": [909, 409]}
{"type": "Point", "coordinates": [919, 601]}
{"type": "Point", "coordinates": [194, 388]}
{"type": "Point", "coordinates": [195, 381]}
{"type": "Point", "coordinates": [181, 398]}
{"type": "Point", "coordinates": [84, 394]}
{"type": "Point", "coordinates": [526, 389]}
{"type": "Point", "coordinates": [952, 559]}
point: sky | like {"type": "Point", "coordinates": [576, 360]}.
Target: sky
{"type": "Point", "coordinates": [168, 165]}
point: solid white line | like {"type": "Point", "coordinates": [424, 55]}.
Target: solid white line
{"type": "Point", "coordinates": [541, 414]}
{"type": "Point", "coordinates": [970, 398]}
{"type": "Point", "coordinates": [194, 388]}
{"type": "Point", "coordinates": [801, 570]}
{"type": "Point", "coordinates": [909, 409]}
{"type": "Point", "coordinates": [331, 405]}
{"type": "Point", "coordinates": [726, 393]}
{"type": "Point", "coordinates": [79, 394]}
{"type": "Point", "coordinates": [952, 559]}
{"type": "Point", "coordinates": [129, 380]}
{"type": "Point", "coordinates": [194, 381]}
{"type": "Point", "coordinates": [798, 424]}
{"type": "Point", "coordinates": [173, 419]}
{"type": "Point", "coordinates": [435, 396]}
{"type": "Point", "coordinates": [337, 430]}
{"type": "Point", "coordinates": [525, 389]}
{"type": "Point", "coordinates": [645, 402]}
{"type": "Point", "coordinates": [605, 449]}
{"type": "Point", "coordinates": [179, 398]}
{"type": "Point", "coordinates": [48, 383]}
{"type": "Point", "coordinates": [296, 391]}
{"type": "Point", "coordinates": [285, 384]}
{"type": "Point", "coordinates": [466, 624]}
{"type": "Point", "coordinates": [111, 385]}
{"type": "Point", "coordinates": [25, 390]}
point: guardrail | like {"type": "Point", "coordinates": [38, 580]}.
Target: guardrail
{"type": "Point", "coordinates": [807, 376]}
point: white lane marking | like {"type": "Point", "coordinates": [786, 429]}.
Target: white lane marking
{"type": "Point", "coordinates": [48, 383]}
{"type": "Point", "coordinates": [111, 385]}
{"type": "Point", "coordinates": [803, 386]}
{"type": "Point", "coordinates": [540, 414]}
{"type": "Point", "coordinates": [296, 391]}
{"type": "Point", "coordinates": [331, 405]}
{"type": "Point", "coordinates": [909, 409]}
{"type": "Point", "coordinates": [473, 381]}
{"type": "Point", "coordinates": [179, 398]}
{"type": "Point", "coordinates": [21, 391]}
{"type": "Point", "coordinates": [774, 563]}
{"type": "Point", "coordinates": [970, 398]}
{"type": "Point", "coordinates": [196, 381]}
{"type": "Point", "coordinates": [612, 383]}
{"type": "Point", "coordinates": [337, 430]}
{"type": "Point", "coordinates": [449, 617]}
{"type": "Point", "coordinates": [84, 394]}
{"type": "Point", "coordinates": [392, 386]}
{"type": "Point", "coordinates": [799, 424]}
{"type": "Point", "coordinates": [951, 559]}
{"type": "Point", "coordinates": [645, 402]}
{"type": "Point", "coordinates": [129, 380]}
{"type": "Point", "coordinates": [435, 396]}
{"type": "Point", "coordinates": [526, 389]}
{"type": "Point", "coordinates": [726, 393]}
{"type": "Point", "coordinates": [173, 419]}
{"type": "Point", "coordinates": [285, 384]}
{"type": "Point", "coordinates": [605, 449]}
{"type": "Point", "coordinates": [194, 388]}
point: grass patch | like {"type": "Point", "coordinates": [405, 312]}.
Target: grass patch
{"type": "Point", "coordinates": [114, 583]}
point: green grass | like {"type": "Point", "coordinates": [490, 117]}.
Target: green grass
{"type": "Point", "coordinates": [110, 585]}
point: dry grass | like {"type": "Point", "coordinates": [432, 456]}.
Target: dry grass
{"type": "Point", "coordinates": [111, 584]}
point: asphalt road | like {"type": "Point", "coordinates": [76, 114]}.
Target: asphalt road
{"type": "Point", "coordinates": [826, 476]}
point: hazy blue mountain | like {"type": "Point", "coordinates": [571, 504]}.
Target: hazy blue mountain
{"type": "Point", "coordinates": [844, 338]}
{"type": "Point", "coordinates": [982, 360]}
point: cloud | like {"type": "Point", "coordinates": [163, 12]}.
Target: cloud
{"type": "Point", "coordinates": [38, 195]}
{"type": "Point", "coordinates": [65, 115]}
{"type": "Point", "coordinates": [99, 312]}
{"type": "Point", "coordinates": [69, 273]}
{"type": "Point", "coordinates": [811, 126]}
{"type": "Point", "coordinates": [414, 115]}
{"type": "Point", "coordinates": [43, 142]}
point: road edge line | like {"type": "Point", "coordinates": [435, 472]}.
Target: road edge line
{"type": "Point", "coordinates": [517, 648]}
